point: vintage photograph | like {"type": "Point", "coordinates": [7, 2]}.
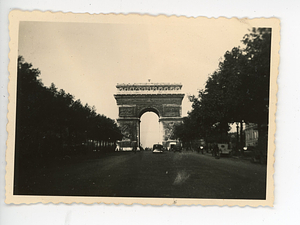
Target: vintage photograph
{"type": "Point", "coordinates": [141, 109]}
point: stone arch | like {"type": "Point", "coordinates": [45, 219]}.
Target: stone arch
{"type": "Point", "coordinates": [134, 100]}
{"type": "Point", "coordinates": [149, 109]}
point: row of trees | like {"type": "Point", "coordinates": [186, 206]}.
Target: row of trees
{"type": "Point", "coordinates": [52, 122]}
{"type": "Point", "coordinates": [238, 91]}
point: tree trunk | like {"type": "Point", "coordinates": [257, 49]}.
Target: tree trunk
{"type": "Point", "coordinates": [237, 139]}
{"type": "Point", "coordinates": [262, 148]}
{"type": "Point", "coordinates": [241, 138]}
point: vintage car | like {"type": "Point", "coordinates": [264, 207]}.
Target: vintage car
{"type": "Point", "coordinates": [223, 149]}
{"type": "Point", "coordinates": [157, 148]}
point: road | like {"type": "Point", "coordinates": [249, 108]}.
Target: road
{"type": "Point", "coordinates": [144, 174]}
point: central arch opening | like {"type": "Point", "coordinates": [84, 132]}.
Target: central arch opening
{"type": "Point", "coordinates": [149, 130]}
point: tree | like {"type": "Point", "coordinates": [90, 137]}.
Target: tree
{"type": "Point", "coordinates": [238, 91]}
{"type": "Point", "coordinates": [256, 76]}
{"type": "Point", "coordinates": [51, 121]}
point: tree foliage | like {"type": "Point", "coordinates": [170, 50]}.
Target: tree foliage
{"type": "Point", "coordinates": [50, 121]}
{"type": "Point", "coordinates": [237, 91]}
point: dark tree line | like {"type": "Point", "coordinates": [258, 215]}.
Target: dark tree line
{"type": "Point", "coordinates": [51, 122]}
{"type": "Point", "coordinates": [237, 92]}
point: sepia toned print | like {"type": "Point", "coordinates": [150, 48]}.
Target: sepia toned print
{"type": "Point", "coordinates": [141, 109]}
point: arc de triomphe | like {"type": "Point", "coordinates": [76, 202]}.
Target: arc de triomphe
{"type": "Point", "coordinates": [134, 100]}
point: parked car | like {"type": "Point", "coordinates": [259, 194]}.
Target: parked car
{"type": "Point", "coordinates": [224, 150]}
{"type": "Point", "coordinates": [157, 148]}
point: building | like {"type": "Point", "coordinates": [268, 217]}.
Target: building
{"type": "Point", "coordinates": [251, 135]}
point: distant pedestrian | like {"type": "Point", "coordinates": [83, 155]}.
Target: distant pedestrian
{"type": "Point", "coordinates": [134, 147]}
{"type": "Point", "coordinates": [216, 151]}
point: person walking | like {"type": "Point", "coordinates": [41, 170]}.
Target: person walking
{"type": "Point", "coordinates": [216, 151]}
{"type": "Point", "coordinates": [134, 147]}
{"type": "Point", "coordinates": [198, 149]}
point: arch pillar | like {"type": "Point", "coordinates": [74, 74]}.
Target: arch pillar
{"type": "Point", "coordinates": [167, 124]}
{"type": "Point", "coordinates": [130, 128]}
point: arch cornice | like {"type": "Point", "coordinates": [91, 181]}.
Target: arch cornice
{"type": "Point", "coordinates": [149, 109]}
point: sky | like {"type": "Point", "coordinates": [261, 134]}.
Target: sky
{"type": "Point", "coordinates": [150, 130]}
{"type": "Point", "coordinates": [87, 60]}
